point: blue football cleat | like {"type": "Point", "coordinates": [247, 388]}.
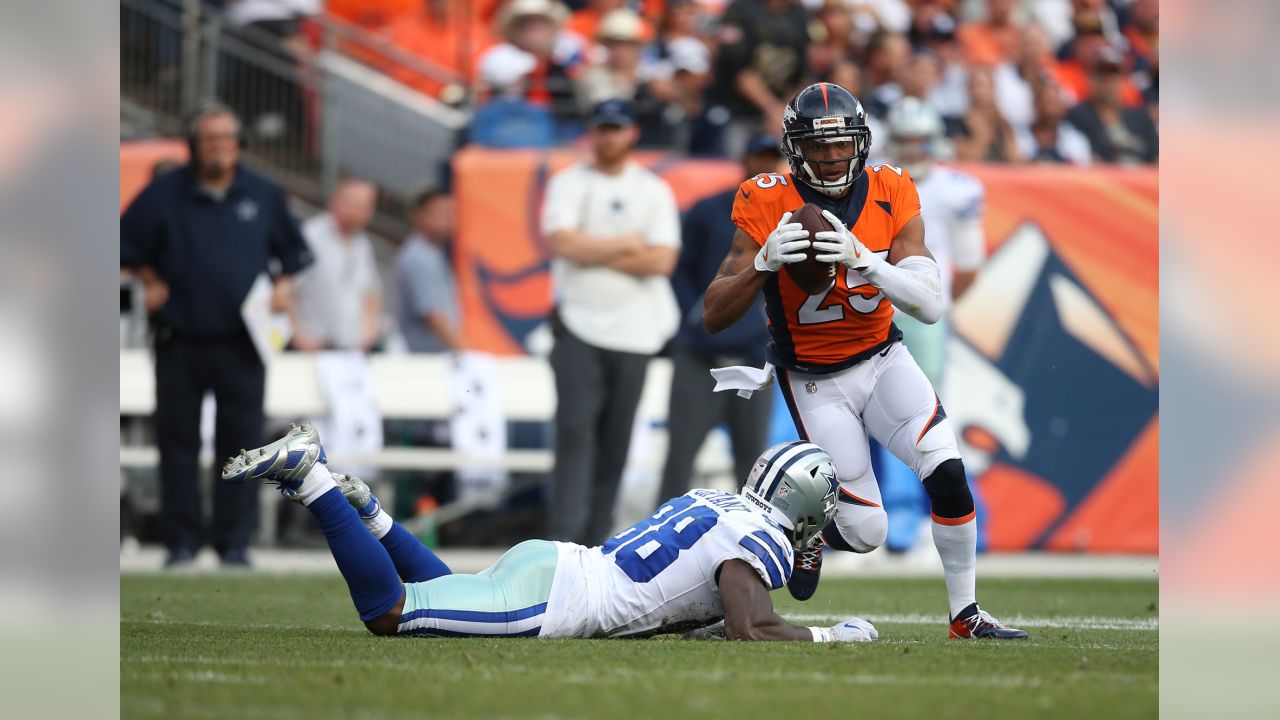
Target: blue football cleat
{"type": "Point", "coordinates": [284, 462]}
{"type": "Point", "coordinates": [804, 577]}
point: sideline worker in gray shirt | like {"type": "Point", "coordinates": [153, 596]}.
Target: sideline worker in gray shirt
{"type": "Point", "coordinates": [427, 305]}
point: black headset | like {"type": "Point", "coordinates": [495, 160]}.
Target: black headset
{"type": "Point", "coordinates": [202, 109]}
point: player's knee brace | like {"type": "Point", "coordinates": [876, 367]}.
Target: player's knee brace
{"type": "Point", "coordinates": [948, 490]}
{"type": "Point", "coordinates": [859, 532]}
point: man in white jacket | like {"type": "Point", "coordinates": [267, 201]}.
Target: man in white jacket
{"type": "Point", "coordinates": [614, 230]}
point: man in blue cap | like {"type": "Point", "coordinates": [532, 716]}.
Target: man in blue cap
{"type": "Point", "coordinates": [707, 233]}
{"type": "Point", "coordinates": [614, 231]}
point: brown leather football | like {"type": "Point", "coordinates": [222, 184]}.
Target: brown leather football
{"type": "Point", "coordinates": [810, 275]}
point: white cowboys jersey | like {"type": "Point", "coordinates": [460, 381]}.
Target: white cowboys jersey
{"type": "Point", "coordinates": [951, 205]}
{"type": "Point", "coordinates": [660, 574]}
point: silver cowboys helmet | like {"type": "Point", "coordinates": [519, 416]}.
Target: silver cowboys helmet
{"type": "Point", "coordinates": [917, 136]}
{"type": "Point", "coordinates": [795, 485]}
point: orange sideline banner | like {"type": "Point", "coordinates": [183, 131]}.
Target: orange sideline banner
{"type": "Point", "coordinates": [1054, 370]}
{"type": "Point", "coordinates": [138, 160]}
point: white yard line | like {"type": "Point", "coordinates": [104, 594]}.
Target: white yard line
{"type": "Point", "coordinates": [245, 709]}
{"type": "Point", "coordinates": [1075, 623]}
{"type": "Point", "coordinates": [821, 678]}
{"type": "Point", "coordinates": [247, 625]}
{"type": "Point", "coordinates": [203, 677]}
{"type": "Point", "coordinates": [276, 663]}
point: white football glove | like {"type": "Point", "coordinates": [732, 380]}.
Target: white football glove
{"type": "Point", "coordinates": [841, 246]}
{"type": "Point", "coordinates": [854, 630]}
{"type": "Point", "coordinates": [785, 245]}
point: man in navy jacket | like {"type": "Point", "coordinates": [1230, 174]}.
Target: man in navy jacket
{"type": "Point", "coordinates": [708, 233]}
{"type": "Point", "coordinates": [198, 237]}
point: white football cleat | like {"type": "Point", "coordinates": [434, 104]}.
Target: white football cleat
{"type": "Point", "coordinates": [284, 462]}
{"type": "Point", "coordinates": [357, 492]}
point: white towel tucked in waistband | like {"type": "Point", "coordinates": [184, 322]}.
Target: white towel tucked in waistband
{"type": "Point", "coordinates": [743, 378]}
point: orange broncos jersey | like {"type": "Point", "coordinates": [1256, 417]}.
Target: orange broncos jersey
{"type": "Point", "coordinates": [851, 321]}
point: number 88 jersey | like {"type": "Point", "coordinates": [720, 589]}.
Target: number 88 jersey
{"type": "Point", "coordinates": [660, 574]}
{"type": "Point", "coordinates": [851, 321]}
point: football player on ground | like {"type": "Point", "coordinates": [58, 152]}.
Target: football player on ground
{"type": "Point", "coordinates": [842, 370]}
{"type": "Point", "coordinates": [701, 557]}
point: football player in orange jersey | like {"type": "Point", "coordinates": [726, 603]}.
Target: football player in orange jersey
{"type": "Point", "coordinates": [842, 370]}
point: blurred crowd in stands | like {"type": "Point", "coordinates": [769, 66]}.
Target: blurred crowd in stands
{"type": "Point", "coordinates": [1062, 81]}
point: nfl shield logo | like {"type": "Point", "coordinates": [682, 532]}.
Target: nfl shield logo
{"type": "Point", "coordinates": [811, 387]}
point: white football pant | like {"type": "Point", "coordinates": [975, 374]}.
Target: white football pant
{"type": "Point", "coordinates": [888, 397]}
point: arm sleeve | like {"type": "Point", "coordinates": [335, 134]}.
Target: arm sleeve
{"type": "Point", "coordinates": [914, 286]}
{"type": "Point", "coordinates": [664, 230]}
{"type": "Point", "coordinates": [749, 216]}
{"type": "Point", "coordinates": [287, 243]}
{"type": "Point", "coordinates": [140, 236]}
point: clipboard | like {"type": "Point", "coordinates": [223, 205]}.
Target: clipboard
{"type": "Point", "coordinates": [256, 313]}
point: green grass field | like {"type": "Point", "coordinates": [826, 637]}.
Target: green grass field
{"type": "Point", "coordinates": [254, 646]}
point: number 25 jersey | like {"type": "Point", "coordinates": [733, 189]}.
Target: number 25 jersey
{"type": "Point", "coordinates": [659, 575]}
{"type": "Point", "coordinates": [848, 323]}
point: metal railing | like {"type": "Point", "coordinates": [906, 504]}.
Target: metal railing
{"type": "Point", "coordinates": [155, 52]}
{"type": "Point", "coordinates": [311, 116]}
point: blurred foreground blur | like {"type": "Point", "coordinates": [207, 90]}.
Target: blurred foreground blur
{"type": "Point", "coordinates": [1220, 360]}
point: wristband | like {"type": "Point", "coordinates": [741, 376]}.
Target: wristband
{"type": "Point", "coordinates": [820, 634]}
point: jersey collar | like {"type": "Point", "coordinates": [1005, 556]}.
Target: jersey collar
{"type": "Point", "coordinates": [853, 202]}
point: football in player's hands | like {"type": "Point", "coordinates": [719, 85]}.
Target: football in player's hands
{"type": "Point", "coordinates": [810, 275]}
